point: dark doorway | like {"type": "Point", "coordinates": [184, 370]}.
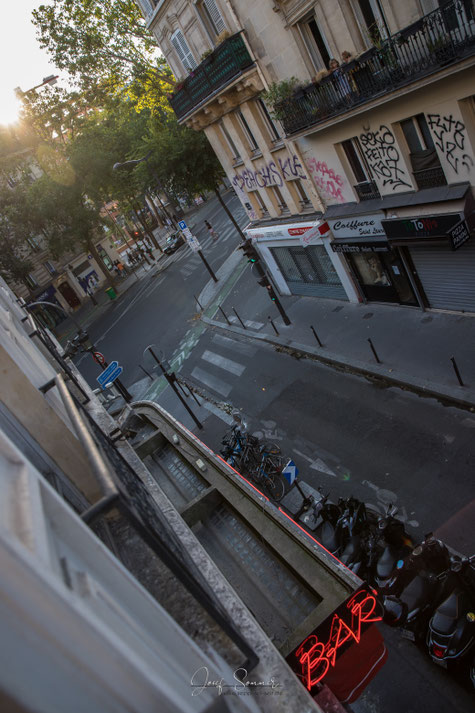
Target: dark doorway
{"type": "Point", "coordinates": [382, 278]}
{"type": "Point", "coordinates": [69, 294]}
{"type": "Point", "coordinates": [317, 36]}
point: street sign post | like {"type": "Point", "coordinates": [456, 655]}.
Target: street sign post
{"type": "Point", "coordinates": [98, 357]}
{"type": "Point", "coordinates": [290, 472]}
{"type": "Point", "coordinates": [112, 372]}
{"type": "Point", "coordinates": [192, 241]}
{"type": "Point", "coordinates": [182, 225]}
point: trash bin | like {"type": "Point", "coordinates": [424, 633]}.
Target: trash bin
{"type": "Point", "coordinates": [112, 294]}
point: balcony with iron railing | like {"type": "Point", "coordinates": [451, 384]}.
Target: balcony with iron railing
{"type": "Point", "coordinates": [228, 61]}
{"type": "Point", "coordinates": [437, 40]}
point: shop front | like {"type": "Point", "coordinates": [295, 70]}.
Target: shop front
{"type": "Point", "coordinates": [441, 248]}
{"type": "Point", "coordinates": [380, 271]}
{"type": "Point", "coordinates": [300, 261]}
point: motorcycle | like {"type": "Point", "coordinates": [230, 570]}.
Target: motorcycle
{"type": "Point", "coordinates": [394, 546]}
{"type": "Point", "coordinates": [451, 631]}
{"type": "Point", "coordinates": [414, 591]}
{"type": "Point", "coordinates": [355, 528]}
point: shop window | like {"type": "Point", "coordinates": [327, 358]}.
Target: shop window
{"type": "Point", "coordinates": [364, 184]}
{"type": "Point", "coordinates": [271, 127]}
{"type": "Point", "coordinates": [211, 17]}
{"type": "Point", "coordinates": [426, 166]}
{"type": "Point", "coordinates": [306, 265]}
{"type": "Point", "coordinates": [183, 51]}
{"type": "Point", "coordinates": [247, 132]}
{"type": "Point", "coordinates": [316, 43]}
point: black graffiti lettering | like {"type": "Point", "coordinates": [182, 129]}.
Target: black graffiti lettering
{"type": "Point", "coordinates": [450, 139]}
{"type": "Point", "coordinates": [383, 156]}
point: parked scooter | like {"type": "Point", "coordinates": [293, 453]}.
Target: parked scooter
{"type": "Point", "coordinates": [451, 632]}
{"type": "Point", "coordinates": [414, 591]}
{"type": "Point", "coordinates": [394, 545]}
{"type": "Point", "coordinates": [354, 529]}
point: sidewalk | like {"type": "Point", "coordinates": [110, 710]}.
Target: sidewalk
{"type": "Point", "coordinates": [414, 347]}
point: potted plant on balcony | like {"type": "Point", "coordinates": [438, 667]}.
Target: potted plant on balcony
{"type": "Point", "coordinates": [442, 49]}
{"type": "Point", "coordinates": [278, 93]}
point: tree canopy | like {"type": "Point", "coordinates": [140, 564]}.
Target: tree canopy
{"type": "Point", "coordinates": [105, 44]}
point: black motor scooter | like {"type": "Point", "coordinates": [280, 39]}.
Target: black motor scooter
{"type": "Point", "coordinates": [414, 591]}
{"type": "Point", "coordinates": [395, 545]}
{"type": "Point", "coordinates": [451, 632]}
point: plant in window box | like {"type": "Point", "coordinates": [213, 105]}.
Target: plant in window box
{"type": "Point", "coordinates": [224, 35]}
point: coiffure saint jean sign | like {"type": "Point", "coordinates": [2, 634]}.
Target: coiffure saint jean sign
{"type": "Point", "coordinates": [363, 226]}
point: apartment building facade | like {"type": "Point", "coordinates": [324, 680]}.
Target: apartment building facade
{"type": "Point", "coordinates": [336, 187]}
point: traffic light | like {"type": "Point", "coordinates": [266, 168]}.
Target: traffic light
{"type": "Point", "coordinates": [263, 281]}
{"type": "Point", "coordinates": [250, 251]}
{"type": "Point", "coordinates": [272, 293]}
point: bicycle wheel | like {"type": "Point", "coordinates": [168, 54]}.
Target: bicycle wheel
{"type": "Point", "coordinates": [271, 449]}
{"type": "Point", "coordinates": [275, 487]}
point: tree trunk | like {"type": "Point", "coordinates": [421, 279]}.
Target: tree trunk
{"type": "Point", "coordinates": [230, 215]}
{"type": "Point", "coordinates": [146, 229]}
{"type": "Point", "coordinates": [109, 279]}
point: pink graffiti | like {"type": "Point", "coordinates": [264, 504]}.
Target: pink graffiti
{"type": "Point", "coordinates": [329, 182]}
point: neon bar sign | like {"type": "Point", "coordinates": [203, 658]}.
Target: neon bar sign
{"type": "Point", "coordinates": [313, 658]}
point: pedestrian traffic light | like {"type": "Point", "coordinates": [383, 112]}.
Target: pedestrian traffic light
{"type": "Point", "coordinates": [272, 293]}
{"type": "Point", "coordinates": [250, 251]}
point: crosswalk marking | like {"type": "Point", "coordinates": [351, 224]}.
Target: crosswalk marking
{"type": "Point", "coordinates": [218, 385]}
{"type": "Point", "coordinates": [218, 412]}
{"type": "Point", "coordinates": [248, 322]}
{"type": "Point", "coordinates": [223, 363]}
{"type": "Point", "coordinates": [240, 347]}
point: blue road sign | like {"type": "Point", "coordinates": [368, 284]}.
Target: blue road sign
{"type": "Point", "coordinates": [290, 471]}
{"type": "Point", "coordinates": [104, 377]}
{"type": "Point", "coordinates": [181, 224]}
{"type": "Point", "coordinates": [112, 377]}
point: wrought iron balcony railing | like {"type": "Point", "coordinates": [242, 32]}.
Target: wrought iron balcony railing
{"type": "Point", "coordinates": [430, 178]}
{"type": "Point", "coordinates": [443, 37]}
{"type": "Point", "coordinates": [367, 190]}
{"type": "Point", "coordinates": [227, 62]}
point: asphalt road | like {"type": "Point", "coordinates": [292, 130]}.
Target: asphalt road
{"type": "Point", "coordinates": [160, 309]}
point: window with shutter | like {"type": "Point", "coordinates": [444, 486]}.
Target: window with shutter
{"type": "Point", "coordinates": [182, 50]}
{"type": "Point", "coordinates": [214, 16]}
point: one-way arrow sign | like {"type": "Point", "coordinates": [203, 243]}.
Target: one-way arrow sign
{"type": "Point", "coordinates": [290, 471]}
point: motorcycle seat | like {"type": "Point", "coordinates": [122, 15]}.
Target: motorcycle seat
{"type": "Point", "coordinates": [416, 592]}
{"type": "Point", "coordinates": [449, 612]}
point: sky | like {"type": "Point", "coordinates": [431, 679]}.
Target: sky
{"type": "Point", "coordinates": [22, 63]}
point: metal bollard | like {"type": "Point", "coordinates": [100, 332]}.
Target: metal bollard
{"type": "Point", "coordinates": [273, 325]}
{"type": "Point", "coordinates": [239, 318]}
{"type": "Point", "coordinates": [316, 336]}
{"type": "Point", "coordinates": [457, 372]}
{"type": "Point", "coordinates": [224, 315]}
{"type": "Point", "coordinates": [374, 351]}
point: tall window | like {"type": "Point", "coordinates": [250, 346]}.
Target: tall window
{"type": "Point", "coordinates": [230, 142]}
{"type": "Point", "coordinates": [31, 281]}
{"type": "Point", "coordinates": [426, 166]}
{"type": "Point", "coordinates": [280, 199]}
{"type": "Point", "coordinates": [303, 197]}
{"type": "Point", "coordinates": [316, 43]}
{"type": "Point", "coordinates": [50, 267]}
{"type": "Point", "coordinates": [364, 185]}
{"type": "Point", "coordinates": [182, 49]}
{"type": "Point", "coordinates": [272, 128]}
{"type": "Point", "coordinates": [262, 205]}
{"type": "Point", "coordinates": [247, 131]}
{"type": "Point", "coordinates": [374, 20]}
{"type": "Point", "coordinates": [211, 16]}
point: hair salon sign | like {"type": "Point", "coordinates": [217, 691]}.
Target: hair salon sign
{"type": "Point", "coordinates": [362, 226]}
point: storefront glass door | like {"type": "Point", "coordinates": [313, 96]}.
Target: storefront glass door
{"type": "Point", "coordinates": [383, 278]}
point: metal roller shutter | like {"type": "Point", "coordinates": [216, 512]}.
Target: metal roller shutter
{"type": "Point", "coordinates": [309, 271]}
{"type": "Point", "coordinates": [447, 276]}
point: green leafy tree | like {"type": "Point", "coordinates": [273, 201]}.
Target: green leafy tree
{"type": "Point", "coordinates": [104, 43]}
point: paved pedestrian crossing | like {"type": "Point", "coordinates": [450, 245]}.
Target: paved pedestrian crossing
{"type": "Point", "coordinates": [192, 261]}
{"type": "Point", "coordinates": [221, 367]}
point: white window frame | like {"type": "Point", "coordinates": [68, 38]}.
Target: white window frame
{"type": "Point", "coordinates": [211, 16]}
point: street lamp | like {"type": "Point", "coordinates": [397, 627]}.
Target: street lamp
{"type": "Point", "coordinates": [51, 79]}
{"type": "Point", "coordinates": [129, 165]}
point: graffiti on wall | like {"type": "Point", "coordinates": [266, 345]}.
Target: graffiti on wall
{"type": "Point", "coordinates": [450, 138]}
{"type": "Point", "coordinates": [328, 182]}
{"type": "Point", "coordinates": [271, 174]}
{"type": "Point", "coordinates": [383, 157]}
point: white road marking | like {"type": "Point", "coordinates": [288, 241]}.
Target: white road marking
{"type": "Point", "coordinates": [253, 325]}
{"type": "Point", "coordinates": [227, 364]}
{"type": "Point", "coordinates": [235, 346]}
{"type": "Point", "coordinates": [316, 463]}
{"type": "Point", "coordinates": [221, 387]}
{"type": "Point", "coordinates": [218, 412]}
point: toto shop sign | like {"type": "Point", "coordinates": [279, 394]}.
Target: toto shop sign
{"type": "Point", "coordinates": [363, 226]}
